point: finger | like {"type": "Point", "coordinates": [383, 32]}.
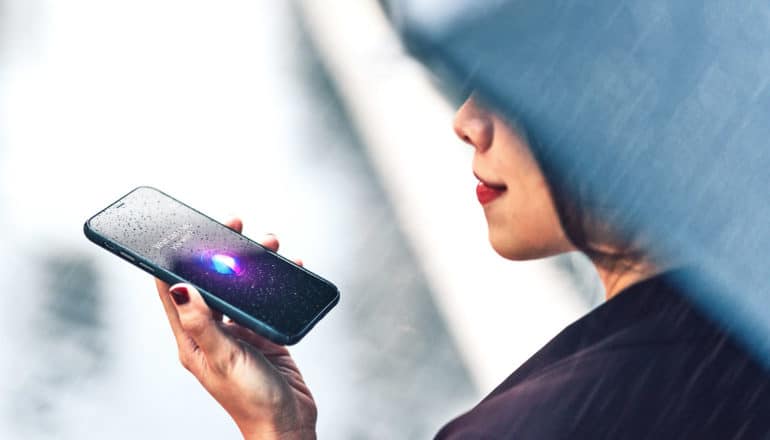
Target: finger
{"type": "Point", "coordinates": [199, 323]}
{"type": "Point", "coordinates": [183, 342]}
{"type": "Point", "coordinates": [270, 241]}
{"type": "Point", "coordinates": [235, 224]}
{"type": "Point", "coordinates": [298, 262]}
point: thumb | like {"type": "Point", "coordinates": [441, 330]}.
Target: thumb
{"type": "Point", "coordinates": [199, 323]}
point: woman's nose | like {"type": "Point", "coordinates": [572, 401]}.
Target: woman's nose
{"type": "Point", "coordinates": [473, 125]}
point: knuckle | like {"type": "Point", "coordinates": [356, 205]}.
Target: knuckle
{"type": "Point", "coordinates": [194, 321]}
{"type": "Point", "coordinates": [225, 363]}
{"type": "Point", "coordinates": [186, 360]}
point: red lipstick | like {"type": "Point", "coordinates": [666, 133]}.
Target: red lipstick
{"type": "Point", "coordinates": [486, 193]}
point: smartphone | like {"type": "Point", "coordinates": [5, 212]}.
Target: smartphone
{"type": "Point", "coordinates": [254, 286]}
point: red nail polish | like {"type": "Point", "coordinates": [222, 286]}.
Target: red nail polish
{"type": "Point", "coordinates": [179, 295]}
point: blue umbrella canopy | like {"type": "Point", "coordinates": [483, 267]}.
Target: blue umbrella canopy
{"type": "Point", "coordinates": [659, 108]}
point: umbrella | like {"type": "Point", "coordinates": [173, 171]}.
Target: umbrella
{"type": "Point", "coordinates": [661, 108]}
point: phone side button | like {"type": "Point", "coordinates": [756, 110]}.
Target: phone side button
{"type": "Point", "coordinates": [146, 267]}
{"type": "Point", "coordinates": [127, 257]}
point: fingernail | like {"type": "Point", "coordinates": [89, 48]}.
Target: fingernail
{"type": "Point", "coordinates": [179, 295]}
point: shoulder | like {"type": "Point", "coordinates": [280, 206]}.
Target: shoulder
{"type": "Point", "coordinates": [687, 389]}
{"type": "Point", "coordinates": [643, 366]}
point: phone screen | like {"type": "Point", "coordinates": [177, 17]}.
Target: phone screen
{"type": "Point", "coordinates": [199, 250]}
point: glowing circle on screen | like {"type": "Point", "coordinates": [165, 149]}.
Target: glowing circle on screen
{"type": "Point", "coordinates": [226, 264]}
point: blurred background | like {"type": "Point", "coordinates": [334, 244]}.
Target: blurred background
{"type": "Point", "coordinates": [306, 119]}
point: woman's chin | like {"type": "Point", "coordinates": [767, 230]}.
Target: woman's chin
{"type": "Point", "coordinates": [515, 250]}
{"type": "Point", "coordinates": [506, 249]}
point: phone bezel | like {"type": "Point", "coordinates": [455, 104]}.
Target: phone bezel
{"type": "Point", "coordinates": [215, 302]}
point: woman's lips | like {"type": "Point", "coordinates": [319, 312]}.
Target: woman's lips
{"type": "Point", "coordinates": [486, 193]}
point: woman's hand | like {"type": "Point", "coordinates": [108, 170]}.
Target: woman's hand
{"type": "Point", "coordinates": [255, 380]}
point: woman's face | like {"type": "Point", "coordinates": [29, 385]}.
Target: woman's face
{"type": "Point", "coordinates": [522, 219]}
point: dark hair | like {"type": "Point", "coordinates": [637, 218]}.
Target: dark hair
{"type": "Point", "coordinates": [591, 228]}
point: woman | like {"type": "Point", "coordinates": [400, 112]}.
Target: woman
{"type": "Point", "coordinates": [643, 365]}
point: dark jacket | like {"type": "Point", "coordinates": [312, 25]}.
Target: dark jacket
{"type": "Point", "coordinates": [646, 364]}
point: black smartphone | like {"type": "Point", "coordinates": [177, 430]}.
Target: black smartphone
{"type": "Point", "coordinates": [254, 286]}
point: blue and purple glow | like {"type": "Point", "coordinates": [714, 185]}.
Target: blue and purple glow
{"type": "Point", "coordinates": [226, 264]}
